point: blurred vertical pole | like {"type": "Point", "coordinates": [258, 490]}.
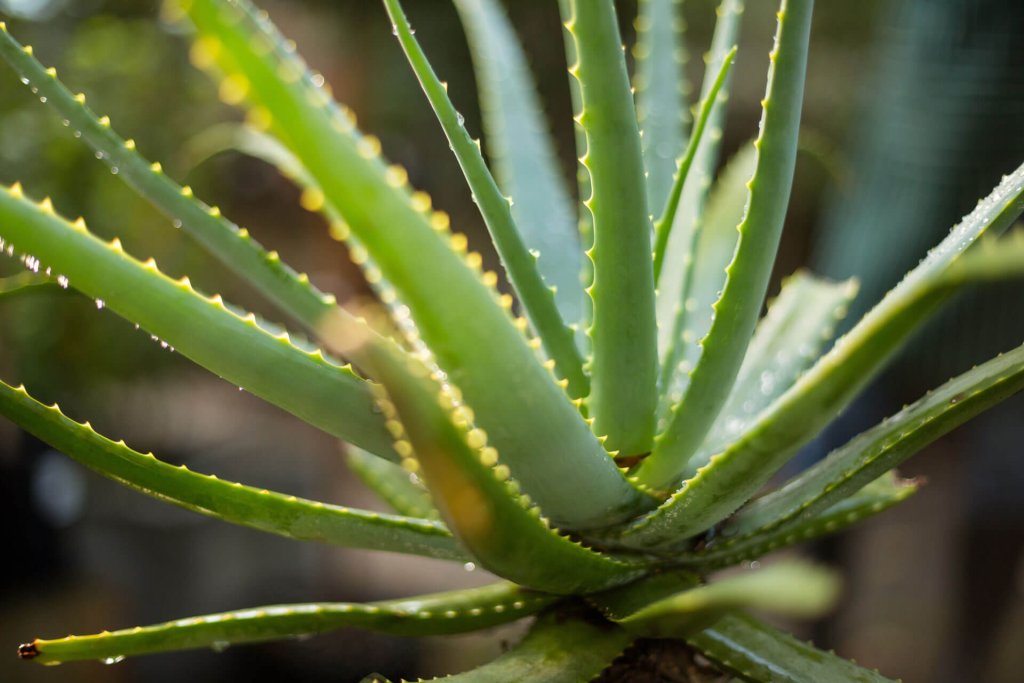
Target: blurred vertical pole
{"type": "Point", "coordinates": [943, 122]}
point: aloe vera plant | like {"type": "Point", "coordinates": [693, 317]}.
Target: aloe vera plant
{"type": "Point", "coordinates": [599, 440]}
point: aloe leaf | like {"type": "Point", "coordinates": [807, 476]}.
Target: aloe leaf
{"type": "Point", "coordinates": [22, 282]}
{"type": "Point", "coordinates": [737, 310]}
{"type": "Point", "coordinates": [304, 383]}
{"type": "Point", "coordinates": [233, 247]}
{"type": "Point", "coordinates": [473, 488]}
{"type": "Point", "coordinates": [259, 509]}
{"type": "Point", "coordinates": [763, 654]}
{"type": "Point", "coordinates": [662, 91]}
{"type": "Point", "coordinates": [790, 588]}
{"type": "Point", "coordinates": [513, 397]}
{"type": "Point", "coordinates": [522, 151]}
{"type": "Point", "coordinates": [663, 225]}
{"type": "Point", "coordinates": [885, 446]}
{"type": "Point", "coordinates": [876, 497]}
{"type": "Point", "coordinates": [394, 485]}
{"type": "Point", "coordinates": [679, 250]}
{"type": "Point", "coordinates": [733, 476]}
{"type": "Point", "coordinates": [713, 247]}
{"type": "Point", "coordinates": [558, 649]}
{"type": "Point", "coordinates": [799, 322]}
{"type": "Point", "coordinates": [624, 363]}
{"type": "Point", "coordinates": [538, 301]}
{"type": "Point", "coordinates": [438, 613]}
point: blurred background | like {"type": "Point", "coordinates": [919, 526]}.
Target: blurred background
{"type": "Point", "coordinates": [914, 109]}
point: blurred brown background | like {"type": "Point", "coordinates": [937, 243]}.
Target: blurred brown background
{"type": "Point", "coordinates": [899, 150]}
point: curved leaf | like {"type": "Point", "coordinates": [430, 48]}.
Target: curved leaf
{"type": "Point", "coordinates": [260, 509]}
{"type": "Point", "coordinates": [439, 613]}
{"type": "Point", "coordinates": [303, 382]}
{"type": "Point", "coordinates": [396, 486]}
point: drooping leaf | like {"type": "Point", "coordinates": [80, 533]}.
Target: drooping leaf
{"type": "Point", "coordinates": [624, 348]}
{"type": "Point", "coordinates": [513, 397]}
{"type": "Point", "coordinates": [303, 382]}
{"type": "Point", "coordinates": [763, 654]}
{"type": "Point", "coordinates": [439, 613]}
{"type": "Point", "coordinates": [739, 305]}
{"type": "Point", "coordinates": [268, 511]}
{"type": "Point", "coordinates": [522, 152]}
{"type": "Point", "coordinates": [522, 268]}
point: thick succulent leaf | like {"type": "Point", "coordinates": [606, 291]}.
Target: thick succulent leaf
{"type": "Point", "coordinates": [879, 495]}
{"type": "Point", "coordinates": [270, 366]}
{"type": "Point", "coordinates": [799, 322]}
{"type": "Point", "coordinates": [559, 648]}
{"type": "Point", "coordinates": [679, 249]}
{"type": "Point", "coordinates": [522, 151]}
{"type": "Point", "coordinates": [713, 247]}
{"type": "Point", "coordinates": [232, 246]}
{"type": "Point", "coordinates": [761, 653]}
{"type": "Point", "coordinates": [624, 360]}
{"type": "Point", "coordinates": [790, 588]}
{"type": "Point", "coordinates": [514, 398]}
{"type": "Point", "coordinates": [662, 91]}
{"type": "Point", "coordinates": [23, 282]}
{"type": "Point", "coordinates": [472, 487]}
{"type": "Point", "coordinates": [537, 300]}
{"type": "Point", "coordinates": [885, 446]}
{"type": "Point", "coordinates": [395, 485]}
{"type": "Point", "coordinates": [663, 225]}
{"type": "Point", "coordinates": [260, 509]}
{"type": "Point", "coordinates": [734, 476]}
{"type": "Point", "coordinates": [737, 309]}
{"type": "Point", "coordinates": [439, 613]}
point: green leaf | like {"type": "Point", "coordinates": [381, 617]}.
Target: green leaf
{"type": "Point", "coordinates": [737, 309]}
{"type": "Point", "coordinates": [513, 397]}
{"type": "Point", "coordinates": [232, 246]}
{"type": "Point", "coordinates": [679, 248]}
{"type": "Point", "coordinates": [734, 476]}
{"type": "Point", "coordinates": [885, 446]}
{"type": "Point", "coordinates": [662, 91]}
{"type": "Point", "coordinates": [439, 613]}
{"type": "Point", "coordinates": [623, 334]}
{"type": "Point", "coordinates": [663, 226]}
{"type": "Point", "coordinates": [790, 588]}
{"type": "Point", "coordinates": [522, 268]}
{"type": "Point", "coordinates": [393, 484]}
{"type": "Point", "coordinates": [303, 382]}
{"type": "Point", "coordinates": [713, 247]}
{"type": "Point", "coordinates": [522, 151]}
{"type": "Point", "coordinates": [559, 648]}
{"type": "Point", "coordinates": [876, 497]}
{"type": "Point", "coordinates": [762, 654]}
{"type": "Point", "coordinates": [259, 509]}
{"type": "Point", "coordinates": [787, 341]}
{"type": "Point", "coordinates": [472, 487]}
{"type": "Point", "coordinates": [22, 282]}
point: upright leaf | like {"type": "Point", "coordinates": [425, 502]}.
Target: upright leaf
{"type": "Point", "coordinates": [662, 91]}
{"type": "Point", "coordinates": [623, 335]}
{"type": "Point", "coordinates": [739, 305]}
{"type": "Point", "coordinates": [513, 397]}
{"type": "Point", "coordinates": [522, 152]}
{"type": "Point", "coordinates": [536, 299]}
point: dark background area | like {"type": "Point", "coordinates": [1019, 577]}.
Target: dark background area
{"type": "Point", "coordinates": [914, 108]}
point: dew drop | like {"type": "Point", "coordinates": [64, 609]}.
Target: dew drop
{"type": "Point", "coordinates": [62, 281]}
{"type": "Point", "coordinates": [77, 133]}
{"type": "Point", "coordinates": [65, 122]}
{"type": "Point", "coordinates": [24, 80]}
{"type": "Point", "coordinates": [42, 98]}
{"type": "Point", "coordinates": [100, 304]}
{"type": "Point", "coordinates": [100, 154]}
{"type": "Point", "coordinates": [116, 659]}
{"type": "Point", "coordinates": [469, 566]}
{"type": "Point", "coordinates": [115, 170]}
{"type": "Point", "coordinates": [394, 29]}
{"type": "Point", "coordinates": [460, 118]}
{"type": "Point", "coordinates": [176, 223]}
